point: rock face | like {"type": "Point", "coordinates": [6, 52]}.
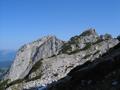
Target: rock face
{"type": "Point", "coordinates": [29, 54]}
{"type": "Point", "coordinates": [80, 41]}
{"type": "Point", "coordinates": [49, 59]}
{"type": "Point", "coordinates": [101, 74]}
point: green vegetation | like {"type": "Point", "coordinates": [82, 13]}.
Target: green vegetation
{"type": "Point", "coordinates": [98, 41]}
{"type": "Point", "coordinates": [85, 57]}
{"type": "Point", "coordinates": [75, 51]}
{"type": "Point", "coordinates": [75, 40]}
{"type": "Point", "coordinates": [86, 33]}
{"type": "Point", "coordinates": [26, 79]}
{"type": "Point", "coordinates": [3, 84]}
{"type": "Point", "coordinates": [34, 78]}
{"type": "Point", "coordinates": [88, 45]}
{"type": "Point", "coordinates": [15, 82]}
{"type": "Point", "coordinates": [107, 36]}
{"type": "Point", "coordinates": [66, 48]}
{"type": "Point", "coordinates": [34, 68]}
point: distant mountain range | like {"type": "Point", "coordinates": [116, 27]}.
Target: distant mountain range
{"type": "Point", "coordinates": [6, 58]}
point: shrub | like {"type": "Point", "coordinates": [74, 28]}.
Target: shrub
{"type": "Point", "coordinates": [66, 48]}
{"type": "Point", "coordinates": [3, 84]}
{"type": "Point", "coordinates": [34, 68]}
{"type": "Point", "coordinates": [88, 32]}
{"type": "Point", "coordinates": [107, 36]}
{"type": "Point", "coordinates": [98, 41]}
{"type": "Point", "coordinates": [88, 45]}
{"type": "Point", "coordinates": [15, 82]}
{"type": "Point", "coordinates": [75, 51]}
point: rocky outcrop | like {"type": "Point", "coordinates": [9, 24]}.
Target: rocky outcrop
{"type": "Point", "coordinates": [101, 74]}
{"type": "Point", "coordinates": [30, 53]}
{"type": "Point", "coordinates": [49, 59]}
{"type": "Point", "coordinates": [80, 42]}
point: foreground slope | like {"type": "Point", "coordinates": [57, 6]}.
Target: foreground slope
{"type": "Point", "coordinates": [101, 74]}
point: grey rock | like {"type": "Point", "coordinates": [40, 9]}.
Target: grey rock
{"type": "Point", "coordinates": [30, 53]}
{"type": "Point", "coordinates": [91, 75]}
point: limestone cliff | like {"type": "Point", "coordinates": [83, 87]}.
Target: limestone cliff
{"type": "Point", "coordinates": [30, 53]}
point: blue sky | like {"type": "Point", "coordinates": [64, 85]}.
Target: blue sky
{"type": "Point", "coordinates": [22, 21]}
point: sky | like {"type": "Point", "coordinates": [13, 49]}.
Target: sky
{"type": "Point", "coordinates": [23, 21]}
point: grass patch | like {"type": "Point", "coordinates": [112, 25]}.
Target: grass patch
{"type": "Point", "coordinates": [34, 68]}
{"type": "Point", "coordinates": [75, 40]}
{"type": "Point", "coordinates": [98, 41]}
{"type": "Point", "coordinates": [86, 33]}
{"type": "Point", "coordinates": [34, 78]}
{"type": "Point", "coordinates": [15, 82]}
{"type": "Point", "coordinates": [66, 48]}
{"type": "Point", "coordinates": [75, 51]}
{"type": "Point", "coordinates": [88, 45]}
{"type": "Point", "coordinates": [26, 79]}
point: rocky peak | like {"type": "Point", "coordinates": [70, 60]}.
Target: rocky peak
{"type": "Point", "coordinates": [84, 41]}
{"type": "Point", "coordinates": [89, 32]}
{"type": "Point", "coordinates": [81, 41]}
{"type": "Point", "coordinates": [30, 53]}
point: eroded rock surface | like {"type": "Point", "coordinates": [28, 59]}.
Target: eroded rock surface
{"type": "Point", "coordinates": [30, 53]}
{"type": "Point", "coordinates": [101, 74]}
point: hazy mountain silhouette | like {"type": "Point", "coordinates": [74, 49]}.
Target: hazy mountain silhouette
{"type": "Point", "coordinates": [6, 58]}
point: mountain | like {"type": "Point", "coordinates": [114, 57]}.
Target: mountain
{"type": "Point", "coordinates": [53, 63]}
{"type": "Point", "coordinates": [5, 64]}
{"type": "Point", "coordinates": [6, 59]}
{"type": "Point", "coordinates": [7, 55]}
